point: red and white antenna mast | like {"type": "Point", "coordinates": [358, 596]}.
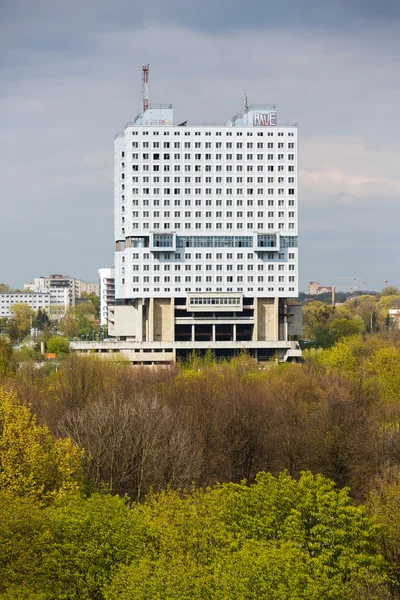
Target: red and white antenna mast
{"type": "Point", "coordinates": [145, 86]}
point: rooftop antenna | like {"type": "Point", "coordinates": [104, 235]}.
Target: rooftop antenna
{"type": "Point", "coordinates": [145, 86]}
{"type": "Point", "coordinates": [245, 103]}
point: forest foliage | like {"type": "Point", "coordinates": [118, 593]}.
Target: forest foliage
{"type": "Point", "coordinates": [205, 480]}
{"type": "Point", "coordinates": [324, 324]}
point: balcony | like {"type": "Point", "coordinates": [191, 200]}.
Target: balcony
{"type": "Point", "coordinates": [266, 243]}
{"type": "Point", "coordinates": [162, 242]}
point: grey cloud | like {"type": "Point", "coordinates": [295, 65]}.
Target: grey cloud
{"type": "Point", "coordinates": [60, 110]}
{"type": "Point", "coordinates": [202, 15]}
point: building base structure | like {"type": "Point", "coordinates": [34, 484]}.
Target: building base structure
{"type": "Point", "coordinates": [163, 330]}
{"type": "Point", "coordinates": [164, 353]}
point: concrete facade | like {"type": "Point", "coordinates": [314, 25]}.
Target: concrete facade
{"type": "Point", "coordinates": [33, 300]}
{"type": "Point", "coordinates": [206, 233]}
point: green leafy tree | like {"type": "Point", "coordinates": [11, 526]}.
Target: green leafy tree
{"type": "Point", "coordinates": [57, 344]}
{"type": "Point", "coordinates": [341, 328]}
{"type": "Point", "coordinates": [384, 367]}
{"type": "Point", "coordinates": [316, 315]}
{"type": "Point", "coordinates": [277, 538]}
{"type": "Point", "coordinates": [4, 288]}
{"type": "Point", "coordinates": [22, 318]}
{"type": "Point", "coordinates": [384, 506]}
{"type": "Point", "coordinates": [93, 299]}
{"type": "Point", "coordinates": [7, 364]}
{"type": "Point", "coordinates": [66, 551]}
{"type": "Point", "coordinates": [32, 462]}
{"type": "Point", "coordinates": [69, 325]}
{"type": "Point", "coordinates": [42, 320]}
{"type": "Point", "coordinates": [80, 320]}
{"type": "Point", "coordinates": [323, 336]}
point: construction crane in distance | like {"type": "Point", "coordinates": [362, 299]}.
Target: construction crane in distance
{"type": "Point", "coordinates": [354, 279]}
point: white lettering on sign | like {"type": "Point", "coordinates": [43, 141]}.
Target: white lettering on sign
{"type": "Point", "coordinates": [264, 119]}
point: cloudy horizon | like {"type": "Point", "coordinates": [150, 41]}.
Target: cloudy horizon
{"type": "Point", "coordinates": [70, 80]}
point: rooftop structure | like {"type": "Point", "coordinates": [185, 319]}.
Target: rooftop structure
{"type": "Point", "coordinates": [56, 281]}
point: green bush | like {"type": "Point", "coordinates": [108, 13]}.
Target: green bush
{"type": "Point", "coordinates": [57, 344]}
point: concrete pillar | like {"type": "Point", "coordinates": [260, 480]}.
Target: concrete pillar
{"type": "Point", "coordinates": [193, 333]}
{"type": "Point", "coordinates": [213, 333]}
{"type": "Point", "coordinates": [276, 320]}
{"type": "Point", "coordinates": [172, 319]}
{"type": "Point", "coordinates": [151, 320]}
{"type": "Point", "coordinates": [255, 326]}
{"type": "Point", "coordinates": [286, 326]}
{"type": "Point", "coordinates": [140, 320]}
{"type": "Point", "coordinates": [234, 332]}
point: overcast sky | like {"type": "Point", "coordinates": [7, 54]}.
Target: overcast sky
{"type": "Point", "coordinates": [70, 79]}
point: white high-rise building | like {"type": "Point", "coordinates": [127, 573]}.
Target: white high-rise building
{"type": "Point", "coordinates": [107, 292]}
{"type": "Point", "coordinates": [206, 232]}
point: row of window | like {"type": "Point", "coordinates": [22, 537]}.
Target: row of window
{"type": "Point", "coordinates": [208, 202]}
{"type": "Point", "coordinates": [240, 179]}
{"type": "Point", "coordinates": [210, 279]}
{"type": "Point", "coordinates": [210, 256]}
{"type": "Point", "coordinates": [169, 226]}
{"type": "Point", "coordinates": [209, 156]}
{"type": "Point", "coordinates": [209, 215]}
{"type": "Point", "coordinates": [215, 301]}
{"type": "Point", "coordinates": [211, 241]}
{"type": "Point", "coordinates": [269, 133]}
{"type": "Point", "coordinates": [178, 290]}
{"type": "Point", "coordinates": [209, 191]}
{"type": "Point", "coordinates": [210, 267]}
{"type": "Point", "coordinates": [208, 145]}
{"type": "Point", "coordinates": [209, 168]}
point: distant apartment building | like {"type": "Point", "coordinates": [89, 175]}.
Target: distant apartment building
{"type": "Point", "coordinates": [55, 302]}
{"type": "Point", "coordinates": [314, 288]}
{"type": "Point", "coordinates": [75, 287]}
{"type": "Point", "coordinates": [107, 292]}
{"type": "Point", "coordinates": [33, 300]}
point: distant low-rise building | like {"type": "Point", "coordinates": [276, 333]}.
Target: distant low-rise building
{"type": "Point", "coordinates": [394, 314]}
{"type": "Point", "coordinates": [314, 288]}
{"type": "Point", "coordinates": [107, 292]}
{"type": "Point", "coordinates": [74, 287]}
{"type": "Point", "coordinates": [32, 299]}
{"type": "Point", "coordinates": [54, 301]}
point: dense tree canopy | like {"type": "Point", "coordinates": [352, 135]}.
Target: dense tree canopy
{"type": "Point", "coordinates": [277, 538]}
{"type": "Point", "coordinates": [108, 476]}
{"type": "Point", "coordinates": [325, 324]}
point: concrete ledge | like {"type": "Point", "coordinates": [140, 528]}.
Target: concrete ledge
{"type": "Point", "coordinates": [114, 345]}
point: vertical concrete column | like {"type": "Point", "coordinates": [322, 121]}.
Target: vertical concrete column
{"type": "Point", "coordinates": [255, 314]}
{"type": "Point", "coordinates": [286, 325]}
{"type": "Point", "coordinates": [140, 320]}
{"type": "Point", "coordinates": [172, 319]}
{"type": "Point", "coordinates": [276, 320]}
{"type": "Point", "coordinates": [213, 333]}
{"type": "Point", "coordinates": [234, 332]}
{"type": "Point", "coordinates": [193, 333]}
{"type": "Point", "coordinates": [151, 320]}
